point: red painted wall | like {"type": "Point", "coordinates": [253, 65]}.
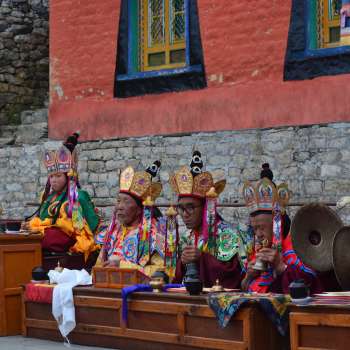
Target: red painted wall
{"type": "Point", "coordinates": [244, 45]}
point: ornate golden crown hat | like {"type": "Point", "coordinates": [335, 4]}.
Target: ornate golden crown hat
{"type": "Point", "coordinates": [265, 195]}
{"type": "Point", "coordinates": [193, 182]}
{"type": "Point", "coordinates": [139, 183]}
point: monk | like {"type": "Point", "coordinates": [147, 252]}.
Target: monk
{"type": "Point", "coordinates": [273, 246]}
{"type": "Point", "coordinates": [209, 241]}
{"type": "Point", "coordinates": [66, 217]}
{"type": "Point", "coordinates": [135, 237]}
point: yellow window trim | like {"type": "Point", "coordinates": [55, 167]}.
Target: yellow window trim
{"type": "Point", "coordinates": [327, 25]}
{"type": "Point", "coordinates": [166, 48]}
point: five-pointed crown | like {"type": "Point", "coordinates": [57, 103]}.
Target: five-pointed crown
{"type": "Point", "coordinates": [61, 160]}
{"type": "Point", "coordinates": [64, 159]}
{"type": "Point", "coordinates": [265, 195]}
{"type": "Point", "coordinates": [140, 184]}
{"type": "Point", "coordinates": [194, 182]}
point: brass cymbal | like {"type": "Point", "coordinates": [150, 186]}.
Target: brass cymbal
{"type": "Point", "coordinates": [313, 229]}
{"type": "Point", "coordinates": [341, 257]}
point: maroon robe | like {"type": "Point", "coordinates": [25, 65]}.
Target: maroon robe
{"type": "Point", "coordinates": [290, 274]}
{"type": "Point", "coordinates": [229, 273]}
{"type": "Point", "coordinates": [329, 281]}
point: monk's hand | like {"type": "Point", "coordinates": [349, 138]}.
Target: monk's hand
{"type": "Point", "coordinates": [190, 254]}
{"type": "Point", "coordinates": [25, 226]}
{"type": "Point", "coordinates": [273, 257]}
{"type": "Point", "coordinates": [251, 272]}
{"type": "Point", "coordinates": [112, 262]}
{"type": "Point", "coordinates": [250, 275]}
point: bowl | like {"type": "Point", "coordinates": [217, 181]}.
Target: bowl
{"type": "Point", "coordinates": [39, 274]}
{"type": "Point", "coordinates": [13, 225]}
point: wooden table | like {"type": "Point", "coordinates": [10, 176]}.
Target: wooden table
{"type": "Point", "coordinates": [18, 255]}
{"type": "Point", "coordinates": [155, 321]}
{"type": "Point", "coordinates": [320, 327]}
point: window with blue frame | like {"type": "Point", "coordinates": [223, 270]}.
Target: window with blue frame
{"type": "Point", "coordinates": [162, 28]}
{"type": "Point", "coordinates": [159, 47]}
{"type": "Point", "coordinates": [318, 40]}
{"type": "Point", "coordinates": [330, 23]}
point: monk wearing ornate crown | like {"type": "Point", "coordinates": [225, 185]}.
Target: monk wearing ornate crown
{"type": "Point", "coordinates": [210, 242]}
{"type": "Point", "coordinates": [273, 264]}
{"type": "Point", "coordinates": [66, 216]}
{"type": "Point", "coordinates": [136, 235]}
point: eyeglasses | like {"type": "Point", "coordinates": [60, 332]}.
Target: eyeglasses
{"type": "Point", "coordinates": [188, 209]}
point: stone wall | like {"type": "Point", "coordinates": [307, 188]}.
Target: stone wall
{"type": "Point", "coordinates": [24, 51]}
{"type": "Point", "coordinates": [315, 161]}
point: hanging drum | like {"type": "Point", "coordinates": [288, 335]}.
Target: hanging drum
{"type": "Point", "coordinates": [313, 229]}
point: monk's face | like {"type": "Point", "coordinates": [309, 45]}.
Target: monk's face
{"type": "Point", "coordinates": [128, 212]}
{"type": "Point", "coordinates": [58, 181]}
{"type": "Point", "coordinates": [262, 226]}
{"type": "Point", "coordinates": [191, 211]}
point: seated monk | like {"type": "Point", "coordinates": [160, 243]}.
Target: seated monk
{"type": "Point", "coordinates": [135, 237]}
{"type": "Point", "coordinates": [273, 264]}
{"type": "Point", "coordinates": [209, 241]}
{"type": "Point", "coordinates": [66, 217]}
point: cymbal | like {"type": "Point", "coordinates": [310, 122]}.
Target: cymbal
{"type": "Point", "coordinates": [341, 257]}
{"type": "Point", "coordinates": [313, 229]}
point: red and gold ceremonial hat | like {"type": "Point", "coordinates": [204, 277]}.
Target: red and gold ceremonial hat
{"type": "Point", "coordinates": [61, 160]}
{"type": "Point", "coordinates": [193, 182]}
{"type": "Point", "coordinates": [65, 158]}
{"type": "Point", "coordinates": [140, 184]}
{"type": "Point", "coordinates": [265, 195]}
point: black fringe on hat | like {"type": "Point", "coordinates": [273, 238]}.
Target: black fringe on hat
{"type": "Point", "coordinates": [154, 168]}
{"type": "Point", "coordinates": [196, 163]}
{"type": "Point", "coordinates": [71, 141]}
{"type": "Point", "coordinates": [266, 172]}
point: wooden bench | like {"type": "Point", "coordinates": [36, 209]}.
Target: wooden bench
{"type": "Point", "coordinates": [320, 327]}
{"type": "Point", "coordinates": [155, 321]}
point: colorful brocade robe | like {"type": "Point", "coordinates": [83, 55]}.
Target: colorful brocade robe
{"type": "Point", "coordinates": [135, 249]}
{"type": "Point", "coordinates": [229, 242]}
{"type": "Point", "coordinates": [268, 281]}
{"type": "Point", "coordinates": [223, 263]}
{"type": "Point", "coordinates": [80, 227]}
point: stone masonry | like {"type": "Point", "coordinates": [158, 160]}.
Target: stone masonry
{"type": "Point", "coordinates": [313, 160]}
{"type": "Point", "coordinates": [24, 63]}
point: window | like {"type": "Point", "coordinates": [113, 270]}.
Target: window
{"type": "Point", "coordinates": [326, 28]}
{"type": "Point", "coordinates": [328, 13]}
{"type": "Point", "coordinates": [318, 39]}
{"type": "Point", "coordinates": [159, 47]}
{"type": "Point", "coordinates": [163, 34]}
{"type": "Point", "coordinates": [329, 23]}
{"type": "Point", "coordinates": [162, 31]}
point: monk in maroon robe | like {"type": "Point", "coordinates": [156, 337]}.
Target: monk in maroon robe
{"type": "Point", "coordinates": [209, 242]}
{"type": "Point", "coordinates": [225, 266]}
